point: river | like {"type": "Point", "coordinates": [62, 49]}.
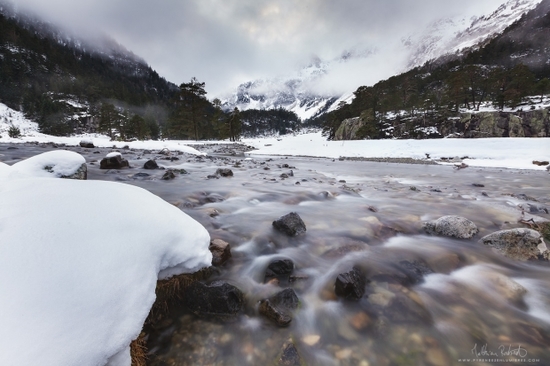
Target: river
{"type": "Point", "coordinates": [473, 304]}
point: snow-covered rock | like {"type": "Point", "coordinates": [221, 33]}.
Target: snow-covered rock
{"type": "Point", "coordinates": [78, 284]}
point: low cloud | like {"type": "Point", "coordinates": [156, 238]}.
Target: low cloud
{"type": "Point", "coordinates": [226, 43]}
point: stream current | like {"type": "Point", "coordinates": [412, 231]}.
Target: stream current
{"type": "Point", "coordinates": [477, 307]}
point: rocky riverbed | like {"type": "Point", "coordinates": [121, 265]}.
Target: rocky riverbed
{"type": "Point", "coordinates": [349, 262]}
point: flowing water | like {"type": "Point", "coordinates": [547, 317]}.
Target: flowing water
{"type": "Point", "coordinates": [477, 307]}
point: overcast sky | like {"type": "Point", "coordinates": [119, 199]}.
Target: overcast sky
{"type": "Point", "coordinates": [225, 43]}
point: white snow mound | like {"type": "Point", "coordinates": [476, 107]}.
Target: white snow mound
{"type": "Point", "coordinates": [79, 261]}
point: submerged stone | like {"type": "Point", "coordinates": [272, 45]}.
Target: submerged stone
{"type": "Point", "coordinates": [280, 269]}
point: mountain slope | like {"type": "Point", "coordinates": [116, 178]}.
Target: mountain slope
{"type": "Point", "coordinates": [497, 90]}
{"type": "Point", "coordinates": [458, 36]}
{"type": "Point", "coordinates": [52, 76]}
{"type": "Point", "coordinates": [298, 92]}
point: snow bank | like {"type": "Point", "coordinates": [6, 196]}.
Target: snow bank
{"type": "Point", "coordinates": [495, 152]}
{"type": "Point", "coordinates": [79, 261]}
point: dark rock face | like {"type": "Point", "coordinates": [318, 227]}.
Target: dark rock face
{"type": "Point", "coordinates": [221, 252]}
{"type": "Point", "coordinates": [224, 172]}
{"type": "Point", "coordinates": [280, 269]}
{"type": "Point", "coordinates": [519, 244]}
{"type": "Point", "coordinates": [350, 285]}
{"type": "Point", "coordinates": [278, 307]}
{"type": "Point", "coordinates": [453, 226]}
{"type": "Point", "coordinates": [219, 300]}
{"type": "Point", "coordinates": [114, 162]}
{"type": "Point", "coordinates": [87, 144]}
{"type": "Point", "coordinates": [150, 164]}
{"type": "Point", "coordinates": [290, 224]}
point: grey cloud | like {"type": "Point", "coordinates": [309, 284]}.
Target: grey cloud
{"type": "Point", "coordinates": [225, 43]}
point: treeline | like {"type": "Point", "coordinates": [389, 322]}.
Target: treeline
{"type": "Point", "coordinates": [503, 73]}
{"type": "Point", "coordinates": [256, 122]}
{"type": "Point", "coordinates": [68, 89]}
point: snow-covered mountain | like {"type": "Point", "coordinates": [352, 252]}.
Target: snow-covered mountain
{"type": "Point", "coordinates": [293, 92]}
{"type": "Point", "coordinates": [298, 93]}
{"type": "Point", "coordinates": [456, 35]}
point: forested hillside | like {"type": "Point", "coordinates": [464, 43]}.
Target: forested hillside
{"type": "Point", "coordinates": [502, 74]}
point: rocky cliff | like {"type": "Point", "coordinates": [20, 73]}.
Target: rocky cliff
{"type": "Point", "coordinates": [535, 123]}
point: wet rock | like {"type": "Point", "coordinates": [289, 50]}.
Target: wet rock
{"type": "Point", "coordinates": [221, 252]}
{"type": "Point", "coordinates": [453, 226]}
{"type": "Point", "coordinates": [87, 144]}
{"type": "Point", "coordinates": [519, 244]}
{"type": "Point", "coordinates": [350, 285]}
{"type": "Point", "coordinates": [290, 356]}
{"type": "Point", "coordinates": [164, 151]}
{"type": "Point", "coordinates": [507, 287]}
{"type": "Point", "coordinates": [168, 175]}
{"type": "Point", "coordinates": [414, 270]}
{"type": "Point", "coordinates": [280, 269]}
{"type": "Point", "coordinates": [291, 224]}
{"type": "Point", "coordinates": [80, 174]}
{"type": "Point", "coordinates": [224, 172]}
{"type": "Point", "coordinates": [150, 164]}
{"type": "Point", "coordinates": [534, 208]}
{"type": "Point", "coordinates": [443, 262]}
{"type": "Point", "coordinates": [278, 308]}
{"type": "Point", "coordinates": [211, 198]}
{"type": "Point", "coordinates": [479, 185]}
{"type": "Point", "coordinates": [113, 161]}
{"type": "Point", "coordinates": [219, 300]}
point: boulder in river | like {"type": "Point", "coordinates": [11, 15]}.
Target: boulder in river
{"type": "Point", "coordinates": [113, 161]}
{"type": "Point", "coordinates": [168, 175]}
{"type": "Point", "coordinates": [291, 224]}
{"type": "Point", "coordinates": [350, 285]}
{"type": "Point", "coordinates": [87, 144]}
{"type": "Point", "coordinates": [279, 306]}
{"type": "Point", "coordinates": [452, 226]}
{"type": "Point", "coordinates": [519, 244]}
{"type": "Point", "coordinates": [224, 172]}
{"type": "Point", "coordinates": [150, 164]}
{"type": "Point", "coordinates": [219, 300]}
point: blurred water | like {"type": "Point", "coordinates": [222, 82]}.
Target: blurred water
{"type": "Point", "coordinates": [476, 305]}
